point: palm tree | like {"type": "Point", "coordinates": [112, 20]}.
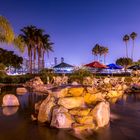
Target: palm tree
{"type": "Point", "coordinates": [28, 36]}
{"type": "Point", "coordinates": [95, 51]}
{"type": "Point", "coordinates": [105, 52]}
{"type": "Point", "coordinates": [133, 35]}
{"type": "Point", "coordinates": [47, 47]}
{"type": "Point", "coordinates": [126, 39]}
{"type": "Point", "coordinates": [7, 34]}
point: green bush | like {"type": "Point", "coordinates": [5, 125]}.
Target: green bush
{"type": "Point", "coordinates": [78, 75]}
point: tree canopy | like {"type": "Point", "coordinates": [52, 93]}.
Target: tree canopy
{"type": "Point", "coordinates": [8, 58]}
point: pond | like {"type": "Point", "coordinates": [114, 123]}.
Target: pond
{"type": "Point", "coordinates": [16, 123]}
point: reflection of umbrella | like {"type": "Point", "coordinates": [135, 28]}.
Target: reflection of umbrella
{"type": "Point", "coordinates": [135, 67]}
{"type": "Point", "coordinates": [114, 66]}
{"type": "Point", "coordinates": [96, 64]}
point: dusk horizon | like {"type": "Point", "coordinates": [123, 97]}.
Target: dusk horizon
{"type": "Point", "coordinates": [76, 26]}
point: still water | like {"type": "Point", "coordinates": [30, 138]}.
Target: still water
{"type": "Point", "coordinates": [16, 123]}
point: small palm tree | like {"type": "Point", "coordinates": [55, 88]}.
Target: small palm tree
{"type": "Point", "coordinates": [133, 35]}
{"type": "Point", "coordinates": [126, 39]}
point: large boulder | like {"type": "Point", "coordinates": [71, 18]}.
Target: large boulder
{"type": "Point", "coordinates": [45, 109]}
{"type": "Point", "coordinates": [101, 114]}
{"type": "Point", "coordinates": [80, 111]}
{"type": "Point", "coordinates": [93, 98]}
{"type": "Point", "coordinates": [76, 91]}
{"type": "Point", "coordinates": [60, 93]}
{"type": "Point", "coordinates": [61, 118]}
{"type": "Point", "coordinates": [114, 94]}
{"type": "Point", "coordinates": [71, 102]}
{"type": "Point", "coordinates": [21, 91]}
{"type": "Point", "coordinates": [10, 100]}
{"type": "Point", "coordinates": [84, 119]}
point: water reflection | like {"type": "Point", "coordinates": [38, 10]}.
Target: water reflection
{"type": "Point", "coordinates": [9, 110]}
{"type": "Point", "coordinates": [125, 125]}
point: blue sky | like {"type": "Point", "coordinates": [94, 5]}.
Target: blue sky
{"type": "Point", "coordinates": [75, 26]}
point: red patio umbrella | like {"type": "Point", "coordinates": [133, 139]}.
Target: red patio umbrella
{"type": "Point", "coordinates": [96, 64]}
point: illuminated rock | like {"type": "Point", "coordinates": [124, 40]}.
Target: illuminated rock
{"type": "Point", "coordinates": [80, 111]}
{"type": "Point", "coordinates": [61, 118]}
{"type": "Point", "coordinates": [10, 100]}
{"type": "Point", "coordinates": [93, 98]}
{"type": "Point", "coordinates": [60, 93]}
{"type": "Point", "coordinates": [71, 102]}
{"type": "Point", "coordinates": [21, 90]}
{"type": "Point", "coordinates": [45, 109]}
{"type": "Point", "coordinates": [76, 91]}
{"type": "Point", "coordinates": [84, 119]}
{"type": "Point", "coordinates": [101, 114]}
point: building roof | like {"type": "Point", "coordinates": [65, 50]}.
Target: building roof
{"type": "Point", "coordinates": [63, 65]}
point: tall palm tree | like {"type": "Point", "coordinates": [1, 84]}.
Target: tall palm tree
{"type": "Point", "coordinates": [95, 51]}
{"type": "Point", "coordinates": [133, 35]}
{"type": "Point", "coordinates": [105, 52]}
{"type": "Point", "coordinates": [126, 39]}
{"type": "Point", "coordinates": [47, 47]}
{"type": "Point", "coordinates": [28, 36]}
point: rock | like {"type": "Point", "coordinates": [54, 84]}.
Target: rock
{"type": "Point", "coordinates": [10, 100]}
{"type": "Point", "coordinates": [60, 93]}
{"type": "Point", "coordinates": [37, 105]}
{"type": "Point", "coordinates": [61, 119]}
{"type": "Point", "coordinates": [21, 90]}
{"type": "Point", "coordinates": [7, 111]}
{"type": "Point", "coordinates": [101, 114]}
{"type": "Point", "coordinates": [45, 109]}
{"type": "Point", "coordinates": [114, 94]}
{"type": "Point", "coordinates": [80, 111]}
{"type": "Point", "coordinates": [71, 102]}
{"type": "Point", "coordinates": [41, 88]}
{"type": "Point", "coordinates": [76, 91]}
{"type": "Point", "coordinates": [106, 80]}
{"type": "Point", "coordinates": [74, 83]}
{"type": "Point", "coordinates": [92, 90]}
{"type": "Point", "coordinates": [79, 127]}
{"type": "Point", "coordinates": [84, 119]}
{"type": "Point", "coordinates": [93, 98]}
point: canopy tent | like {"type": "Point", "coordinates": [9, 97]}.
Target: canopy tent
{"type": "Point", "coordinates": [114, 66]}
{"type": "Point", "coordinates": [63, 68]}
{"type": "Point", "coordinates": [96, 64]}
{"type": "Point", "coordinates": [135, 67]}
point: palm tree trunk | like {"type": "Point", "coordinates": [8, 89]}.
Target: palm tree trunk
{"type": "Point", "coordinates": [126, 50]}
{"type": "Point", "coordinates": [31, 61]}
{"type": "Point", "coordinates": [104, 58]}
{"type": "Point", "coordinates": [132, 51]}
{"type": "Point", "coordinates": [34, 59]}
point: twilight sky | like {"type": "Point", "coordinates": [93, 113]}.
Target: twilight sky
{"type": "Point", "coordinates": [75, 26]}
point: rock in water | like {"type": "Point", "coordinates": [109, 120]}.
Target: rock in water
{"type": "Point", "coordinates": [21, 90]}
{"type": "Point", "coordinates": [61, 118]}
{"type": "Point", "coordinates": [71, 102]}
{"type": "Point", "coordinates": [101, 114]}
{"type": "Point", "coordinates": [10, 100]}
{"type": "Point", "coordinates": [45, 109]}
